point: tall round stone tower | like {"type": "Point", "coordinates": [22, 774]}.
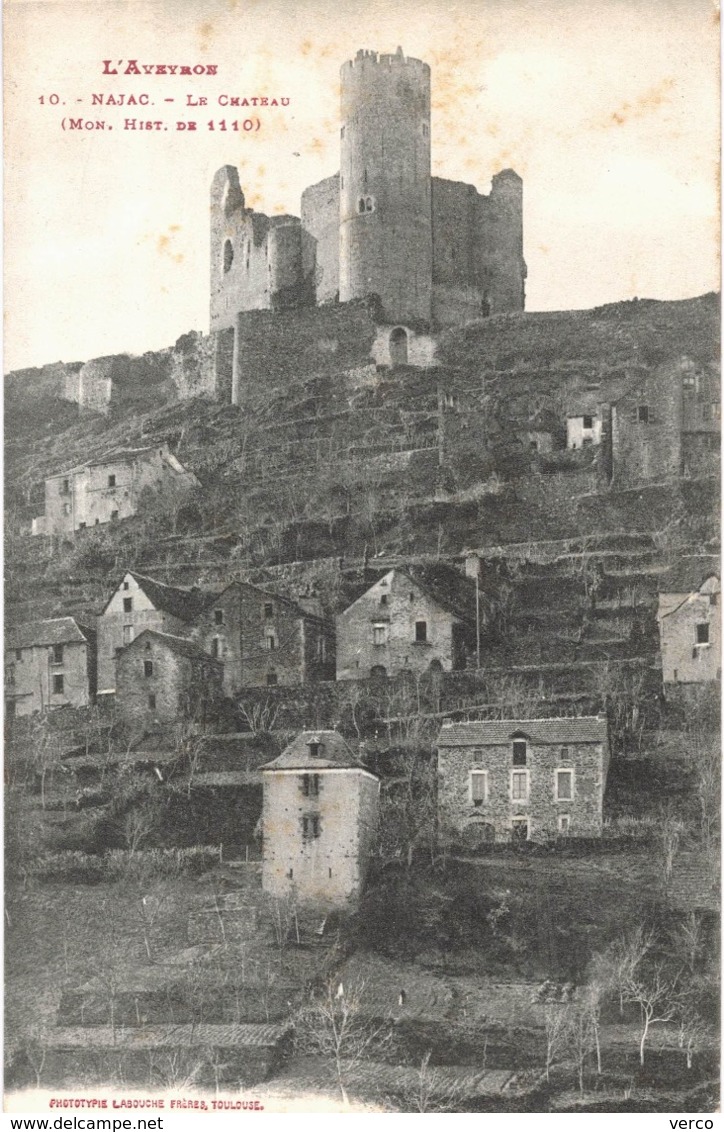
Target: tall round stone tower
{"type": "Point", "coordinates": [385, 230]}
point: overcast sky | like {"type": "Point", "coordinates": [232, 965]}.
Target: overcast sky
{"type": "Point", "coordinates": [609, 111]}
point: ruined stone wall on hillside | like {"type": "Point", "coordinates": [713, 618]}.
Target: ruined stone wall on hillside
{"type": "Point", "coordinates": [273, 349]}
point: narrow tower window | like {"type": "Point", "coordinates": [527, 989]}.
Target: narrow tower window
{"type": "Point", "coordinates": [228, 255]}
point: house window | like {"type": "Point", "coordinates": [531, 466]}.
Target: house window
{"type": "Point", "coordinates": [702, 633]}
{"type": "Point", "coordinates": [57, 654]}
{"type": "Point", "coordinates": [643, 414]}
{"type": "Point", "coordinates": [127, 634]}
{"type": "Point", "coordinates": [152, 701]}
{"type": "Point", "coordinates": [148, 668]}
{"type": "Point", "coordinates": [520, 752]}
{"type": "Point", "coordinates": [18, 654]}
{"type": "Point", "coordinates": [270, 642]}
{"type": "Point", "coordinates": [361, 204]}
{"type": "Point", "coordinates": [269, 610]}
{"type": "Point", "coordinates": [587, 421]}
{"type": "Point", "coordinates": [128, 605]}
{"type": "Point", "coordinates": [478, 787]}
{"type": "Point", "coordinates": [58, 685]}
{"type": "Point", "coordinates": [321, 649]}
{"type": "Point", "coordinates": [564, 823]}
{"type": "Point", "coordinates": [314, 748]}
{"type": "Point", "coordinates": [564, 785]}
{"type": "Point", "coordinates": [310, 785]}
{"type": "Point", "coordinates": [519, 785]}
{"type": "Point", "coordinates": [114, 516]}
{"type": "Point", "coordinates": [111, 481]}
{"type": "Point", "coordinates": [384, 599]}
{"type": "Point", "coordinates": [564, 752]}
{"type": "Point", "coordinates": [689, 382]}
{"type": "Point", "coordinates": [218, 617]}
{"type": "Point", "coordinates": [420, 631]}
{"type": "Point", "coordinates": [379, 635]}
{"type": "Point", "coordinates": [65, 487]}
{"type": "Point", "coordinates": [66, 508]}
{"type": "Point", "coordinates": [125, 585]}
{"type": "Point", "coordinates": [217, 648]}
{"type": "Point", "coordinates": [310, 827]}
{"type": "Point", "coordinates": [271, 679]}
{"type": "Point", "coordinates": [534, 445]}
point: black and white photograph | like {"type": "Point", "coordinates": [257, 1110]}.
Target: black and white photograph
{"type": "Point", "coordinates": [362, 433]}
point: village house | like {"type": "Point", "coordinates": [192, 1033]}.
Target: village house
{"type": "Point", "coordinates": [136, 604]}
{"type": "Point", "coordinates": [320, 814]}
{"type": "Point", "coordinates": [49, 664]}
{"type": "Point", "coordinates": [521, 779]}
{"type": "Point", "coordinates": [689, 617]}
{"type": "Point", "coordinates": [162, 679]}
{"type": "Point", "coordinates": [585, 420]}
{"type": "Point", "coordinates": [414, 620]}
{"type": "Point", "coordinates": [263, 638]}
{"type": "Point", "coordinates": [667, 424]}
{"type": "Point", "coordinates": [109, 489]}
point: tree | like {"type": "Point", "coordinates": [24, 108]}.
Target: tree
{"type": "Point", "coordinates": [408, 808]}
{"type": "Point", "coordinates": [556, 1026]}
{"type": "Point", "coordinates": [334, 1026]}
{"type": "Point", "coordinates": [693, 1030]}
{"type": "Point", "coordinates": [654, 995]}
{"type": "Point", "coordinates": [670, 831]}
{"type": "Point", "coordinates": [431, 1090]}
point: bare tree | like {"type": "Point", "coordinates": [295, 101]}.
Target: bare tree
{"type": "Point", "coordinates": [334, 1026]}
{"type": "Point", "coordinates": [260, 716]}
{"type": "Point", "coordinates": [138, 825]}
{"type": "Point", "coordinates": [431, 1090]}
{"type": "Point", "coordinates": [670, 831]}
{"type": "Point", "coordinates": [556, 1026]}
{"type": "Point", "coordinates": [693, 1031]}
{"type": "Point", "coordinates": [654, 995]}
{"type": "Point", "coordinates": [688, 942]}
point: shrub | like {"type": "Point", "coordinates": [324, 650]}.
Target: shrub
{"type": "Point", "coordinates": [87, 868]}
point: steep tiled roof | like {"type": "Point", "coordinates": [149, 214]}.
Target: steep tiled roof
{"type": "Point", "coordinates": [493, 732]}
{"type": "Point", "coordinates": [689, 573]}
{"type": "Point", "coordinates": [333, 752]}
{"type": "Point", "coordinates": [447, 586]}
{"type": "Point", "coordinates": [212, 594]}
{"type": "Point", "coordinates": [123, 454]}
{"type": "Point", "coordinates": [180, 645]}
{"type": "Point", "coordinates": [185, 604]}
{"type": "Point", "coordinates": [57, 631]}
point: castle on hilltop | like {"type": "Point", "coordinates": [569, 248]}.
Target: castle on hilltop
{"type": "Point", "coordinates": [434, 252]}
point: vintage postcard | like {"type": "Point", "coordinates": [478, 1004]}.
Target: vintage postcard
{"type": "Point", "coordinates": [362, 586]}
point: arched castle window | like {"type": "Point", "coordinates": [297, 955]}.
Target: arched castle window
{"type": "Point", "coordinates": [398, 346]}
{"type": "Point", "coordinates": [228, 255]}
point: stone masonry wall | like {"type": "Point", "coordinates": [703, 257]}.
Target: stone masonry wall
{"type": "Point", "coordinates": [457, 811]}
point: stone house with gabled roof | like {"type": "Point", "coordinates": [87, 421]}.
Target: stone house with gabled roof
{"type": "Point", "coordinates": [263, 638]}
{"type": "Point", "coordinates": [689, 617]}
{"type": "Point", "coordinates": [521, 779]}
{"type": "Point", "coordinates": [320, 815]}
{"type": "Point", "coordinates": [49, 664]}
{"type": "Point", "coordinates": [162, 678]}
{"type": "Point", "coordinates": [136, 604]}
{"type": "Point", "coordinates": [108, 489]}
{"type": "Point", "coordinates": [413, 619]}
